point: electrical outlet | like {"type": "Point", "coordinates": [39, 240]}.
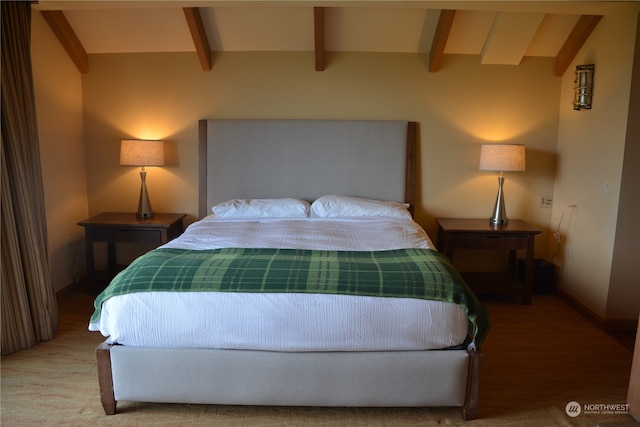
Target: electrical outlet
{"type": "Point", "coordinates": [546, 202]}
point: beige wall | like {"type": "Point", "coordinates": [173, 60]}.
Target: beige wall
{"type": "Point", "coordinates": [462, 106]}
{"type": "Point", "coordinates": [625, 269]}
{"type": "Point", "coordinates": [590, 154]}
{"type": "Point", "coordinates": [58, 95]}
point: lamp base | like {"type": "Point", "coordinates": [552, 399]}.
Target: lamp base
{"type": "Point", "coordinates": [499, 216]}
{"type": "Point", "coordinates": [498, 221]}
{"type": "Point", "coordinates": [144, 205]}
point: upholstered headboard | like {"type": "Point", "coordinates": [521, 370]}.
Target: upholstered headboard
{"type": "Point", "coordinates": [306, 159]}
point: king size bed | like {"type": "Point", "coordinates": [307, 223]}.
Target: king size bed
{"type": "Point", "coordinates": [306, 282]}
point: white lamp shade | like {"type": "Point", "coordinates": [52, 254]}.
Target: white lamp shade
{"type": "Point", "coordinates": [138, 152]}
{"type": "Point", "coordinates": [502, 157]}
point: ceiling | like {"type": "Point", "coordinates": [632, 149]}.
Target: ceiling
{"type": "Point", "coordinates": [499, 32]}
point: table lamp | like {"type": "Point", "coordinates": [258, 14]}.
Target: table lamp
{"type": "Point", "coordinates": [501, 158]}
{"type": "Point", "coordinates": [136, 152]}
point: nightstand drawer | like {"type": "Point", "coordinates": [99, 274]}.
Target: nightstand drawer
{"type": "Point", "coordinates": [481, 241]}
{"type": "Point", "coordinates": [126, 236]}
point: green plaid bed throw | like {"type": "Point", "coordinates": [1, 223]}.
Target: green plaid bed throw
{"type": "Point", "coordinates": [402, 273]}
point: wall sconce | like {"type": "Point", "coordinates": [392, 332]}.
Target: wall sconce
{"type": "Point", "coordinates": [501, 158]}
{"type": "Point", "coordinates": [583, 87]}
{"type": "Point", "coordinates": [142, 153]}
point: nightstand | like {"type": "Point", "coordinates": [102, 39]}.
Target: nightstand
{"type": "Point", "coordinates": [462, 233]}
{"type": "Point", "coordinates": [120, 227]}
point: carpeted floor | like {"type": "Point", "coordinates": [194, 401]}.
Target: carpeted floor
{"type": "Point", "coordinates": [538, 358]}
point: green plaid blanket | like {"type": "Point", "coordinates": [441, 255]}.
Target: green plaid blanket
{"type": "Point", "coordinates": [405, 273]}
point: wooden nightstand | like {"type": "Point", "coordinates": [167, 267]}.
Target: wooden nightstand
{"type": "Point", "coordinates": [119, 227]}
{"type": "Point", "coordinates": [460, 233]}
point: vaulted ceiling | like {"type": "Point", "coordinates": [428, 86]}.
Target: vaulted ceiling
{"type": "Point", "coordinates": [499, 32]}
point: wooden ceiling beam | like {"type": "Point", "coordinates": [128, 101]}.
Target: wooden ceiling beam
{"type": "Point", "coordinates": [436, 56]}
{"type": "Point", "coordinates": [67, 38]}
{"type": "Point", "coordinates": [196, 27]}
{"type": "Point", "coordinates": [318, 31]}
{"type": "Point", "coordinates": [579, 35]}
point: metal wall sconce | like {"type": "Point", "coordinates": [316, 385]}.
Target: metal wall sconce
{"type": "Point", "coordinates": [583, 87]}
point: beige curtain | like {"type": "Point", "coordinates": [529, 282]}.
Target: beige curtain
{"type": "Point", "coordinates": [29, 310]}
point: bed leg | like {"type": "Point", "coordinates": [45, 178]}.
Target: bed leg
{"type": "Point", "coordinates": [105, 379]}
{"type": "Point", "coordinates": [473, 386]}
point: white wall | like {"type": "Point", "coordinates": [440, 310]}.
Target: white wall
{"type": "Point", "coordinates": [590, 155]}
{"type": "Point", "coordinates": [58, 94]}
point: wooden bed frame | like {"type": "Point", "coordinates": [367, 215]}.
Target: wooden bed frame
{"type": "Point", "coordinates": [237, 377]}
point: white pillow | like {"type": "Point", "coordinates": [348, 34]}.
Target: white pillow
{"type": "Point", "coordinates": [346, 206]}
{"type": "Point", "coordinates": [262, 208]}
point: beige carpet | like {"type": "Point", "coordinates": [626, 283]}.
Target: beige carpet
{"type": "Point", "coordinates": [537, 359]}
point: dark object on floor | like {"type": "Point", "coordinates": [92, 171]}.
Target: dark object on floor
{"type": "Point", "coordinates": [543, 275]}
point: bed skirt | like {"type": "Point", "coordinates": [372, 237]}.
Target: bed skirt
{"type": "Point", "coordinates": [243, 377]}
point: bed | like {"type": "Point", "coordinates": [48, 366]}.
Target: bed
{"type": "Point", "coordinates": [306, 282]}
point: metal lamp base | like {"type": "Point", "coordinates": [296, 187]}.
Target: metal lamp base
{"type": "Point", "coordinates": [499, 216]}
{"type": "Point", "coordinates": [144, 205]}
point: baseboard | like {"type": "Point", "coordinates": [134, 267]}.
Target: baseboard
{"type": "Point", "coordinates": [619, 325]}
{"type": "Point", "coordinates": [600, 322]}
{"type": "Point", "coordinates": [581, 308]}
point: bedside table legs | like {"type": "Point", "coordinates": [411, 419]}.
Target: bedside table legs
{"type": "Point", "coordinates": [445, 245]}
{"type": "Point", "coordinates": [92, 277]}
{"type": "Point", "coordinates": [91, 266]}
{"type": "Point", "coordinates": [114, 228]}
{"type": "Point", "coordinates": [478, 234]}
{"type": "Point", "coordinates": [527, 287]}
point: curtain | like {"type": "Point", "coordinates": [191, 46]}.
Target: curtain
{"type": "Point", "coordinates": [29, 309]}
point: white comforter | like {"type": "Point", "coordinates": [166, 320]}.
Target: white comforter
{"type": "Point", "coordinates": [287, 322]}
{"type": "Point", "coordinates": [358, 234]}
